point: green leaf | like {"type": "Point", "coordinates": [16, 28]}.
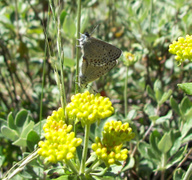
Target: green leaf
{"type": "Point", "coordinates": [130, 164]}
{"type": "Point", "coordinates": [9, 133]}
{"type": "Point", "coordinates": [27, 129]}
{"type": "Point", "coordinates": [164, 118]}
{"type": "Point", "coordinates": [174, 105]}
{"type": "Point", "coordinates": [38, 128]}
{"type": "Point", "coordinates": [188, 174]}
{"type": "Point", "coordinates": [178, 174]}
{"type": "Point", "coordinates": [3, 122]}
{"type": "Point", "coordinates": [158, 90]}
{"type": "Point", "coordinates": [187, 126]}
{"type": "Point", "coordinates": [69, 62]}
{"type": "Point", "coordinates": [176, 140]}
{"type": "Point", "coordinates": [11, 122]}
{"type": "Point", "coordinates": [185, 105]}
{"type": "Point", "coordinates": [165, 96]}
{"type": "Point", "coordinates": [149, 110]}
{"type": "Point", "coordinates": [20, 142]}
{"type": "Point", "coordinates": [177, 156]}
{"type": "Point", "coordinates": [69, 26]}
{"type": "Point", "coordinates": [32, 139]}
{"type": "Point", "coordinates": [186, 87]}
{"type": "Point", "coordinates": [132, 114]}
{"type": "Point", "coordinates": [153, 118]}
{"type": "Point", "coordinates": [21, 118]}
{"type": "Point", "coordinates": [143, 149]}
{"type": "Point", "coordinates": [62, 16]}
{"type": "Point", "coordinates": [154, 139]}
{"type": "Point", "coordinates": [165, 143]}
{"type": "Point", "coordinates": [150, 92]}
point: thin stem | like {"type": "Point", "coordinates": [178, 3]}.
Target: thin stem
{"type": "Point", "coordinates": [125, 92]}
{"type": "Point", "coordinates": [61, 61]}
{"type": "Point", "coordinates": [85, 148]}
{"type": "Point", "coordinates": [145, 135]}
{"type": "Point", "coordinates": [93, 166]}
{"type": "Point", "coordinates": [77, 48]}
{"type": "Point", "coordinates": [180, 164]}
{"type": "Point", "coordinates": [72, 167]}
{"type": "Point", "coordinates": [151, 15]}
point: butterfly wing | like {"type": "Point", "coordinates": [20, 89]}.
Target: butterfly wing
{"type": "Point", "coordinates": [91, 72]}
{"type": "Point", "coordinates": [99, 53]}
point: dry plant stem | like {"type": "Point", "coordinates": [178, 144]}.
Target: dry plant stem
{"type": "Point", "coordinates": [125, 92]}
{"type": "Point", "coordinates": [24, 162]}
{"type": "Point", "coordinates": [145, 135]}
{"type": "Point", "coordinates": [77, 48]}
{"type": "Point", "coordinates": [61, 58]}
{"type": "Point", "coordinates": [179, 165]}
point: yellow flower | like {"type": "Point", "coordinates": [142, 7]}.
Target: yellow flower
{"type": "Point", "coordinates": [89, 108]}
{"type": "Point", "coordinates": [129, 58]}
{"type": "Point", "coordinates": [117, 133]}
{"type": "Point", "coordinates": [182, 49]}
{"type": "Point", "coordinates": [110, 148]}
{"type": "Point", "coordinates": [60, 143]}
{"type": "Point", "coordinates": [110, 155]}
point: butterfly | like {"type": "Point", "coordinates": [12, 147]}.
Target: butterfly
{"type": "Point", "coordinates": [99, 57]}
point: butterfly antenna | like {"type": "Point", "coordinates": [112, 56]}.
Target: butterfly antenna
{"type": "Point", "coordinates": [94, 29]}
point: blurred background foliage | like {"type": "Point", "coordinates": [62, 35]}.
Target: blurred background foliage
{"type": "Point", "coordinates": [28, 38]}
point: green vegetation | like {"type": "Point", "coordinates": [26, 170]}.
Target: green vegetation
{"type": "Point", "coordinates": [149, 90]}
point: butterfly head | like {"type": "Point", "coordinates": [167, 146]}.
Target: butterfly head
{"type": "Point", "coordinates": [84, 38]}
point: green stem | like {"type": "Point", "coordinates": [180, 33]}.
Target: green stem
{"type": "Point", "coordinates": [77, 48]}
{"type": "Point", "coordinates": [125, 92]}
{"type": "Point", "coordinates": [151, 15]}
{"type": "Point", "coordinates": [72, 166]}
{"type": "Point", "coordinates": [188, 174]}
{"type": "Point", "coordinates": [85, 148]}
{"type": "Point", "coordinates": [93, 166]}
{"type": "Point", "coordinates": [163, 164]}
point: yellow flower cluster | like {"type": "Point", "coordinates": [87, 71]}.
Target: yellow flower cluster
{"type": "Point", "coordinates": [109, 155]}
{"type": "Point", "coordinates": [60, 143]}
{"type": "Point", "coordinates": [129, 58]}
{"type": "Point", "coordinates": [114, 135]}
{"type": "Point", "coordinates": [89, 108]}
{"type": "Point", "coordinates": [117, 133]}
{"type": "Point", "coordinates": [182, 48]}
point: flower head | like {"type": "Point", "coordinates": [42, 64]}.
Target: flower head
{"type": "Point", "coordinates": [60, 143]}
{"type": "Point", "coordinates": [110, 155]}
{"type": "Point", "coordinates": [110, 148]}
{"type": "Point", "coordinates": [129, 58]}
{"type": "Point", "coordinates": [89, 107]}
{"type": "Point", "coordinates": [182, 48]}
{"type": "Point", "coordinates": [117, 133]}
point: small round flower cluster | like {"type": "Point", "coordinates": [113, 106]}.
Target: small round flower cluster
{"type": "Point", "coordinates": [109, 155]}
{"type": "Point", "coordinates": [110, 148]}
{"type": "Point", "coordinates": [60, 143]}
{"type": "Point", "coordinates": [182, 48]}
{"type": "Point", "coordinates": [129, 58]}
{"type": "Point", "coordinates": [89, 108]}
{"type": "Point", "coordinates": [117, 133]}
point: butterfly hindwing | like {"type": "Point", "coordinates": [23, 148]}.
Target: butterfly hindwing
{"type": "Point", "coordinates": [91, 73]}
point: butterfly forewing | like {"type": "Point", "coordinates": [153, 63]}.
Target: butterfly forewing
{"type": "Point", "coordinates": [98, 52]}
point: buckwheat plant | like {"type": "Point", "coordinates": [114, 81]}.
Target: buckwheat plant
{"type": "Point", "coordinates": [61, 142]}
{"type": "Point", "coordinates": [182, 49]}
